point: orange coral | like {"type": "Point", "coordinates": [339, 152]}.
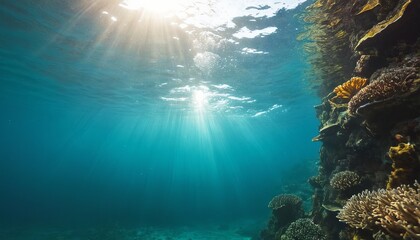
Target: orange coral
{"type": "Point", "coordinates": [348, 89]}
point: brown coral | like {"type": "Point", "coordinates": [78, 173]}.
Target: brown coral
{"type": "Point", "coordinates": [344, 180]}
{"type": "Point", "coordinates": [405, 165]}
{"type": "Point", "coordinates": [397, 211]}
{"type": "Point", "coordinates": [391, 82]}
{"type": "Point", "coordinates": [348, 89]}
{"type": "Point", "coordinates": [282, 200]}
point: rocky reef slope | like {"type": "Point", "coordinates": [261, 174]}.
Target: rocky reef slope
{"type": "Point", "coordinates": [366, 56]}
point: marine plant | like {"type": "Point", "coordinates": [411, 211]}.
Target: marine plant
{"type": "Point", "coordinates": [405, 165]}
{"type": "Point", "coordinates": [395, 211]}
{"type": "Point", "coordinates": [344, 180]}
{"type": "Point", "coordinates": [303, 229]}
{"type": "Point", "coordinates": [390, 82]}
{"type": "Point", "coordinates": [348, 89]}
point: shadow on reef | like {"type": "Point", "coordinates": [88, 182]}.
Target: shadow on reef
{"type": "Point", "coordinates": [365, 56]}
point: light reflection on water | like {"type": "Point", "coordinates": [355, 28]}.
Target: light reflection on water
{"type": "Point", "coordinates": [124, 53]}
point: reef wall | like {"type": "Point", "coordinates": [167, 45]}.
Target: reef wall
{"type": "Point", "coordinates": [366, 60]}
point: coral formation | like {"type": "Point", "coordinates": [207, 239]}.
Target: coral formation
{"type": "Point", "coordinates": [286, 209]}
{"type": "Point", "coordinates": [355, 132]}
{"type": "Point", "coordinates": [303, 229]}
{"type": "Point", "coordinates": [405, 165]}
{"type": "Point", "coordinates": [348, 89]}
{"type": "Point", "coordinates": [283, 200]}
{"type": "Point", "coordinates": [389, 83]}
{"type": "Point", "coordinates": [344, 180]}
{"type": "Point", "coordinates": [383, 26]}
{"type": "Point", "coordinates": [395, 211]}
{"type": "Point", "coordinates": [371, 4]}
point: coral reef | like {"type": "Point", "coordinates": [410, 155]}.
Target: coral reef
{"type": "Point", "coordinates": [348, 89]}
{"type": "Point", "coordinates": [395, 211]}
{"type": "Point", "coordinates": [303, 229]}
{"type": "Point", "coordinates": [286, 208]}
{"type": "Point", "coordinates": [379, 29]}
{"type": "Point", "coordinates": [378, 40]}
{"type": "Point", "coordinates": [283, 200]}
{"type": "Point", "coordinates": [389, 83]}
{"type": "Point", "coordinates": [344, 180]}
{"type": "Point", "coordinates": [405, 165]}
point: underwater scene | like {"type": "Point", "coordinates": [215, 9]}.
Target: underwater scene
{"type": "Point", "coordinates": [209, 120]}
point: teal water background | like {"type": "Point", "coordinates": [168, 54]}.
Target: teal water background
{"type": "Point", "coordinates": [101, 124]}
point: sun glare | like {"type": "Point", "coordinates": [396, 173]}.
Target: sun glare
{"type": "Point", "coordinates": [199, 100]}
{"type": "Point", "coordinates": [156, 6]}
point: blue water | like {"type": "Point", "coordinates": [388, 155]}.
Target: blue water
{"type": "Point", "coordinates": [148, 122]}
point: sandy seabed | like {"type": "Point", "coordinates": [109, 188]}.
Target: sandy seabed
{"type": "Point", "coordinates": [117, 233]}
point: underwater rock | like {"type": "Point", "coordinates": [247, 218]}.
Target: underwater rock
{"type": "Point", "coordinates": [344, 180]}
{"type": "Point", "coordinates": [327, 131]}
{"type": "Point", "coordinates": [359, 140]}
{"type": "Point", "coordinates": [395, 211]}
{"type": "Point", "coordinates": [303, 229]}
{"type": "Point", "coordinates": [386, 30]}
{"type": "Point", "coordinates": [316, 181]}
{"type": "Point", "coordinates": [367, 65]}
{"type": "Point", "coordinates": [408, 131]}
{"type": "Point", "coordinates": [405, 165]}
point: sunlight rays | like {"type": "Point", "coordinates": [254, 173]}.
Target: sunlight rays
{"type": "Point", "coordinates": [157, 6]}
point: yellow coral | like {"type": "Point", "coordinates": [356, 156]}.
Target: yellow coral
{"type": "Point", "coordinates": [348, 89]}
{"type": "Point", "coordinates": [382, 26]}
{"type": "Point", "coordinates": [404, 165]}
{"type": "Point", "coordinates": [371, 4]}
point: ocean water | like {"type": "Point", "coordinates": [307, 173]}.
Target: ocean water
{"type": "Point", "coordinates": [151, 119]}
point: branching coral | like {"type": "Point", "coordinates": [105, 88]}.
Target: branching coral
{"type": "Point", "coordinates": [391, 82]}
{"type": "Point", "coordinates": [396, 211]}
{"type": "Point", "coordinates": [344, 180]}
{"type": "Point", "coordinates": [348, 89]}
{"type": "Point", "coordinates": [303, 229]}
{"type": "Point", "coordinates": [405, 165]}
